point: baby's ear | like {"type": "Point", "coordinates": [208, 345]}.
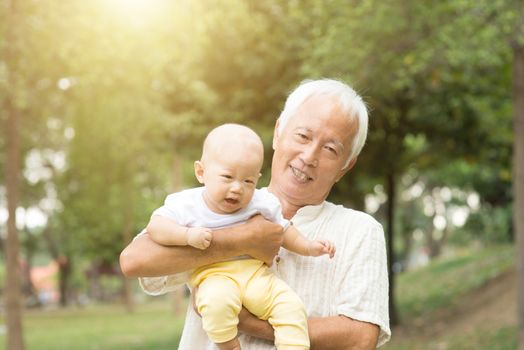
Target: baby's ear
{"type": "Point", "coordinates": [199, 171]}
{"type": "Point", "coordinates": [259, 175]}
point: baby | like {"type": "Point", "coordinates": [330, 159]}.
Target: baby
{"type": "Point", "coordinates": [229, 170]}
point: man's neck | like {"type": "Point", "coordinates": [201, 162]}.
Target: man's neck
{"type": "Point", "coordinates": [289, 209]}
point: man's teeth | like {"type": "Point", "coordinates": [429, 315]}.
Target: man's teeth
{"type": "Point", "coordinates": [300, 175]}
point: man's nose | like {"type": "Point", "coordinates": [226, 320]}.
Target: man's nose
{"type": "Point", "coordinates": [310, 155]}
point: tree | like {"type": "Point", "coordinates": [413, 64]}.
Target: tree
{"type": "Point", "coordinates": [240, 64]}
{"type": "Point", "coordinates": [15, 339]}
{"type": "Point", "coordinates": [431, 74]}
{"type": "Point", "coordinates": [518, 161]}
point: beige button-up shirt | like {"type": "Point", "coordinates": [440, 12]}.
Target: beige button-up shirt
{"type": "Point", "coordinates": [354, 283]}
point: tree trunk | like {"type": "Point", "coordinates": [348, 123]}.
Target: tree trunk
{"type": "Point", "coordinates": [518, 163]}
{"type": "Point", "coordinates": [13, 302]}
{"type": "Point", "coordinates": [64, 265]}
{"type": "Point", "coordinates": [430, 237]}
{"type": "Point", "coordinates": [390, 184]}
{"type": "Point", "coordinates": [64, 273]}
{"type": "Point", "coordinates": [406, 234]}
{"type": "Point", "coordinates": [28, 288]}
{"type": "Point", "coordinates": [435, 245]}
{"type": "Point", "coordinates": [177, 182]}
{"type": "Point", "coordinates": [96, 291]}
{"type": "Point", "coordinates": [127, 287]}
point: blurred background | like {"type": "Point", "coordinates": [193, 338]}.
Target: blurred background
{"type": "Point", "coordinates": [105, 104]}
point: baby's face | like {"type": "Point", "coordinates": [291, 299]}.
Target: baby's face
{"type": "Point", "coordinates": [230, 180]}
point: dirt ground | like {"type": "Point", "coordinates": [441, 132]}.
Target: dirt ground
{"type": "Point", "coordinates": [492, 306]}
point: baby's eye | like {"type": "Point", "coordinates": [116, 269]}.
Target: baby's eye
{"type": "Point", "coordinates": [302, 136]}
{"type": "Point", "coordinates": [251, 182]}
{"type": "Point", "coordinates": [225, 176]}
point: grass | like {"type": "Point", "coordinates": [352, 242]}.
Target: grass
{"type": "Point", "coordinates": [423, 292]}
{"type": "Point", "coordinates": [504, 338]}
{"type": "Point", "coordinates": [441, 283]}
{"type": "Point", "coordinates": [103, 327]}
{"type": "Point", "coordinates": [154, 326]}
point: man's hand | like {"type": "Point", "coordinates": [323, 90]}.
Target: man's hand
{"type": "Point", "coordinates": [265, 239]}
{"type": "Point", "coordinates": [199, 237]}
{"type": "Point", "coordinates": [321, 247]}
{"type": "Point", "coordinates": [251, 325]}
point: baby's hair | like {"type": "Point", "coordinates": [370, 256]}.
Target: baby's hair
{"type": "Point", "coordinates": [232, 135]}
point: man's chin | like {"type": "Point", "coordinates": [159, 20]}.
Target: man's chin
{"type": "Point", "coordinates": [296, 191]}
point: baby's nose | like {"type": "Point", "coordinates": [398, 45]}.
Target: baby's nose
{"type": "Point", "coordinates": [236, 187]}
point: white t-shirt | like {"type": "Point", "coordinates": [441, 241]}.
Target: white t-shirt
{"type": "Point", "coordinates": [188, 208]}
{"type": "Point", "coordinates": [354, 283]}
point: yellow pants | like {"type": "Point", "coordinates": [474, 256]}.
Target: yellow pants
{"type": "Point", "coordinates": [224, 287]}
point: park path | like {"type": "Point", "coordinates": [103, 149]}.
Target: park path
{"type": "Point", "coordinates": [491, 306]}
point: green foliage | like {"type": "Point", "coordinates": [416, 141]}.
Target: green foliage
{"type": "Point", "coordinates": [490, 224]}
{"type": "Point", "coordinates": [436, 77]}
{"type": "Point", "coordinates": [126, 99]}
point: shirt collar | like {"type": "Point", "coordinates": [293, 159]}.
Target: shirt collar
{"type": "Point", "coordinates": [308, 212]}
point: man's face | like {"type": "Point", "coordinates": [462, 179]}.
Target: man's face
{"type": "Point", "coordinates": [311, 151]}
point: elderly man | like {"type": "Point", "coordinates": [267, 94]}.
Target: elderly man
{"type": "Point", "coordinates": [317, 139]}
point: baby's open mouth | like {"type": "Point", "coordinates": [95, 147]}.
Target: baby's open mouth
{"type": "Point", "coordinates": [231, 201]}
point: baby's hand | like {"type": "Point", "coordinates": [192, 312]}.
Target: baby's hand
{"type": "Point", "coordinates": [199, 237]}
{"type": "Point", "coordinates": [321, 247]}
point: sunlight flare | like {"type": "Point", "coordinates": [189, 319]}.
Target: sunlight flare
{"type": "Point", "coordinates": [136, 11]}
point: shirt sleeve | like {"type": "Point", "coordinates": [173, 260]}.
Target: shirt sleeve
{"type": "Point", "coordinates": [164, 284]}
{"type": "Point", "coordinates": [270, 209]}
{"type": "Point", "coordinates": [364, 285]}
{"type": "Point", "coordinates": [172, 208]}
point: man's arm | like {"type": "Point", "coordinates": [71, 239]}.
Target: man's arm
{"type": "Point", "coordinates": [258, 238]}
{"type": "Point", "coordinates": [341, 332]}
{"type": "Point", "coordinates": [325, 333]}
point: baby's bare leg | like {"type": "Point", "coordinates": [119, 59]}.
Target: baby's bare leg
{"type": "Point", "coordinates": [233, 344]}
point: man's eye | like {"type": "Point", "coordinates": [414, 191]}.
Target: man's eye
{"type": "Point", "coordinates": [331, 149]}
{"type": "Point", "coordinates": [302, 137]}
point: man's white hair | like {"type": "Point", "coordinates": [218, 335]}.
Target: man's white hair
{"type": "Point", "coordinates": [349, 101]}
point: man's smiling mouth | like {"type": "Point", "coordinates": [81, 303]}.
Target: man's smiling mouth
{"type": "Point", "coordinates": [299, 175]}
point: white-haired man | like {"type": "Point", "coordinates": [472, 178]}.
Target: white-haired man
{"type": "Point", "coordinates": [317, 139]}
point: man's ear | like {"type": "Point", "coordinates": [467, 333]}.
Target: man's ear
{"type": "Point", "coordinates": [347, 168]}
{"type": "Point", "coordinates": [275, 133]}
{"type": "Point", "coordinates": [199, 171]}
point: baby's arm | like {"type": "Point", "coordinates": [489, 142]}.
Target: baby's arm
{"type": "Point", "coordinates": [167, 232]}
{"type": "Point", "coordinates": [295, 242]}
